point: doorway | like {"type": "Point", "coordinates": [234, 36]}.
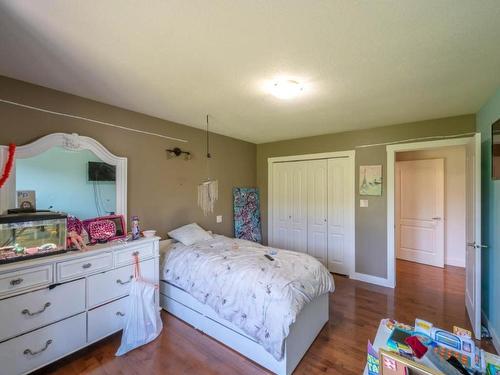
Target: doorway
{"type": "Point", "coordinates": [430, 206]}
{"type": "Point", "coordinates": [472, 243]}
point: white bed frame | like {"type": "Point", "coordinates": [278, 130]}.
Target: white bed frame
{"type": "Point", "coordinates": [309, 323]}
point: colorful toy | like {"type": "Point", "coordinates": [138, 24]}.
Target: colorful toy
{"type": "Point", "coordinates": [397, 340]}
{"type": "Point", "coordinates": [74, 237]}
{"type": "Point", "coordinates": [446, 353]}
{"type": "Point", "coordinates": [372, 360]}
{"type": "Point", "coordinates": [448, 344]}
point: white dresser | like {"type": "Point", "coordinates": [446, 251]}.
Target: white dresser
{"type": "Point", "coordinates": [56, 305]}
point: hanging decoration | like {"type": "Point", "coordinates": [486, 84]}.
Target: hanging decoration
{"type": "Point", "coordinates": [8, 165]}
{"type": "Point", "coordinates": [208, 190]}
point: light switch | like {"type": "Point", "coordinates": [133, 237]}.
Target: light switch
{"type": "Point", "coordinates": [363, 203]}
{"type": "Point", "coordinates": [219, 218]}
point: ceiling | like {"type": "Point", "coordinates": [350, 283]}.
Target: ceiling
{"type": "Point", "coordinates": [363, 63]}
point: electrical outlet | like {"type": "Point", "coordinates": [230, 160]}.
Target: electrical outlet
{"type": "Point", "coordinates": [363, 203]}
{"type": "Point", "coordinates": [219, 219]}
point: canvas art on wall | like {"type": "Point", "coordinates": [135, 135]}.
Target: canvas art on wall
{"type": "Point", "coordinates": [370, 180]}
{"type": "Point", "coordinates": [247, 224]}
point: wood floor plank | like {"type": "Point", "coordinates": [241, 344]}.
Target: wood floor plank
{"type": "Point", "coordinates": [356, 309]}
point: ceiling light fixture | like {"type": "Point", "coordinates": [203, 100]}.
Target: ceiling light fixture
{"type": "Point", "coordinates": [286, 88]}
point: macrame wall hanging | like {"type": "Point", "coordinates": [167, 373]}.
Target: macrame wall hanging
{"type": "Point", "coordinates": [208, 190]}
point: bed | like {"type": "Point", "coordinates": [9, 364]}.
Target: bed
{"type": "Point", "coordinates": [269, 310]}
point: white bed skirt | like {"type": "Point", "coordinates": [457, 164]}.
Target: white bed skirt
{"type": "Point", "coordinates": [309, 323]}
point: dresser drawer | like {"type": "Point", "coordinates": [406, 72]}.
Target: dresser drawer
{"type": "Point", "coordinates": [17, 281]}
{"type": "Point", "coordinates": [126, 256]}
{"type": "Point", "coordinates": [29, 311]}
{"type": "Point", "coordinates": [74, 269]}
{"type": "Point", "coordinates": [38, 348]}
{"type": "Point", "coordinates": [107, 319]}
{"type": "Point", "coordinates": [109, 285]}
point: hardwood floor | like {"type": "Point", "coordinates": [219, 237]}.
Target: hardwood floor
{"type": "Point", "coordinates": [356, 308]}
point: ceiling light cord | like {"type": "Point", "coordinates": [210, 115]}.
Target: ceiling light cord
{"type": "Point", "coordinates": [208, 142]}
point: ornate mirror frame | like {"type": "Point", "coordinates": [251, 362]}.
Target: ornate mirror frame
{"type": "Point", "coordinates": [72, 142]}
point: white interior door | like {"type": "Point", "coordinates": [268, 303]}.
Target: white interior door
{"type": "Point", "coordinates": [317, 210]}
{"type": "Point", "coordinates": [420, 211]}
{"type": "Point", "coordinates": [280, 197]}
{"type": "Point", "coordinates": [297, 185]}
{"type": "Point", "coordinates": [340, 216]}
{"type": "Point", "coordinates": [473, 234]}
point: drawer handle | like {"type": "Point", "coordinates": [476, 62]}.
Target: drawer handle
{"type": "Point", "coordinates": [29, 313]}
{"type": "Point", "coordinates": [30, 352]}
{"type": "Point", "coordinates": [135, 253]}
{"type": "Point", "coordinates": [87, 265]}
{"type": "Point", "coordinates": [15, 282]}
{"type": "Point", "coordinates": [124, 282]}
{"type": "Point", "coordinates": [119, 313]}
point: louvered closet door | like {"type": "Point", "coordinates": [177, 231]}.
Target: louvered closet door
{"type": "Point", "coordinates": [340, 200]}
{"type": "Point", "coordinates": [317, 202]}
{"type": "Point", "coordinates": [297, 185]}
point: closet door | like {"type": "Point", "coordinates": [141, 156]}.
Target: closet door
{"type": "Point", "coordinates": [297, 185]}
{"type": "Point", "coordinates": [317, 241]}
{"type": "Point", "coordinates": [340, 209]}
{"type": "Point", "coordinates": [281, 198]}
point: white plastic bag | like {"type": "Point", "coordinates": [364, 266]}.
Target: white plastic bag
{"type": "Point", "coordinates": [143, 322]}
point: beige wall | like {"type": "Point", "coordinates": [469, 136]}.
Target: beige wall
{"type": "Point", "coordinates": [371, 222]}
{"type": "Point", "coordinates": [454, 185]}
{"type": "Point", "coordinates": [161, 192]}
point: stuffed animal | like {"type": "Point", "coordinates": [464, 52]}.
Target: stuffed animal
{"type": "Point", "coordinates": [74, 236]}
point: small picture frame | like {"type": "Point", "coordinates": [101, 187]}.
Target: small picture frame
{"type": "Point", "coordinates": [26, 199]}
{"type": "Point", "coordinates": [393, 364]}
{"type": "Point", "coordinates": [370, 180]}
{"type": "Point", "coordinates": [118, 220]}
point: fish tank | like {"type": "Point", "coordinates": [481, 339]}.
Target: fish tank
{"type": "Point", "coordinates": [31, 235]}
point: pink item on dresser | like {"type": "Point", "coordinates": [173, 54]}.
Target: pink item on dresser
{"type": "Point", "coordinates": [102, 230]}
{"type": "Point", "coordinates": [112, 229]}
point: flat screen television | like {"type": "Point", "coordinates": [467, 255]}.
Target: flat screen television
{"type": "Point", "coordinates": [99, 171]}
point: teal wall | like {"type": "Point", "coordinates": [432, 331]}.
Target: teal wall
{"type": "Point", "coordinates": [488, 114]}
{"type": "Point", "coordinates": [59, 178]}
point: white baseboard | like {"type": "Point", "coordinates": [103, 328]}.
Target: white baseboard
{"type": "Point", "coordinates": [495, 338]}
{"type": "Point", "coordinates": [457, 262]}
{"type": "Point", "coordinates": [372, 279]}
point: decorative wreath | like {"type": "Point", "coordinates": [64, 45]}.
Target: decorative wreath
{"type": "Point", "coordinates": [8, 165]}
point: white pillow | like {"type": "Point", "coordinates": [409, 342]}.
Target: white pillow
{"type": "Point", "coordinates": [190, 234]}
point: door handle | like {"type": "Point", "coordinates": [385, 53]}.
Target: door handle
{"type": "Point", "coordinates": [476, 246]}
{"type": "Point", "coordinates": [436, 218]}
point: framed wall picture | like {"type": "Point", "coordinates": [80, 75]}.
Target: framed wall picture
{"type": "Point", "coordinates": [370, 180]}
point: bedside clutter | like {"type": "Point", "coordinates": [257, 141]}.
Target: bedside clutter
{"type": "Point", "coordinates": [83, 292]}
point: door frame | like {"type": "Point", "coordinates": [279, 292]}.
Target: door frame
{"type": "Point", "coordinates": [350, 154]}
{"type": "Point", "coordinates": [391, 192]}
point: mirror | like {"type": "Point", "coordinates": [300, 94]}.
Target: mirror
{"type": "Point", "coordinates": [67, 173]}
{"type": "Point", "coordinates": [495, 150]}
{"type": "Point", "coordinates": [75, 182]}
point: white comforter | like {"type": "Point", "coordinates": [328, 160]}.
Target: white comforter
{"type": "Point", "coordinates": [260, 296]}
